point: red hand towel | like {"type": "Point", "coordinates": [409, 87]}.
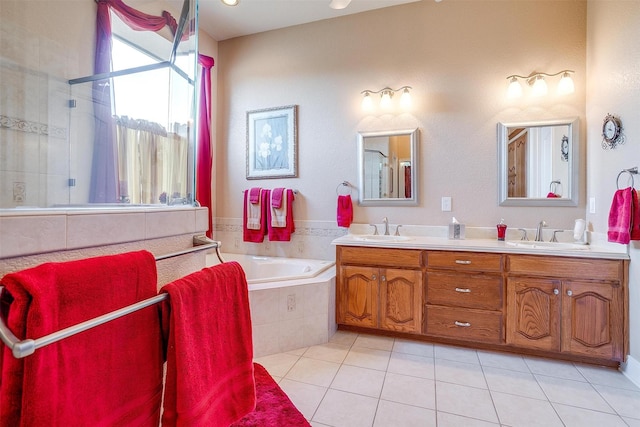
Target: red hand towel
{"type": "Point", "coordinates": [620, 216]}
{"type": "Point", "coordinates": [552, 195]}
{"type": "Point", "coordinates": [254, 195]}
{"type": "Point", "coordinates": [276, 197]}
{"type": "Point", "coordinates": [273, 407]}
{"type": "Point", "coordinates": [282, 234]}
{"type": "Point", "coordinates": [251, 235]}
{"type": "Point", "coordinates": [635, 216]}
{"type": "Point", "coordinates": [209, 354]}
{"type": "Point", "coordinates": [106, 376]}
{"type": "Point", "coordinates": [345, 211]}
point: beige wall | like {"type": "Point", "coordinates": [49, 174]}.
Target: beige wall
{"type": "Point", "coordinates": [456, 55]}
{"type": "Point", "coordinates": [613, 86]}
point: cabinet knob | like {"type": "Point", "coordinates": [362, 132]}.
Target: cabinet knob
{"type": "Point", "coordinates": [463, 290]}
{"type": "Point", "coordinates": [383, 278]}
{"type": "Point", "coordinates": [569, 292]}
{"type": "Point", "coordinates": [462, 324]}
{"type": "Point", "coordinates": [556, 292]}
{"type": "Point", "coordinates": [374, 277]}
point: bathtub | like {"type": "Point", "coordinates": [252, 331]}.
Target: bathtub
{"type": "Point", "coordinates": [292, 301]}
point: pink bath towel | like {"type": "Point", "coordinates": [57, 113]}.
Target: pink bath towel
{"type": "Point", "coordinates": [624, 217]}
{"type": "Point", "coordinates": [254, 218]}
{"type": "Point", "coordinates": [345, 211]}
{"type": "Point", "coordinates": [285, 225]}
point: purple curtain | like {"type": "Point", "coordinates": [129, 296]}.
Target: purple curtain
{"type": "Point", "coordinates": [104, 171]}
{"type": "Point", "coordinates": [204, 157]}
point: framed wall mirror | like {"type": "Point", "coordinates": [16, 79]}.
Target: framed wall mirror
{"type": "Point", "coordinates": [538, 163]}
{"type": "Point", "coordinates": [388, 168]}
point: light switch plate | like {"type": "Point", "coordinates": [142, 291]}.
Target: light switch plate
{"type": "Point", "coordinates": [446, 204]}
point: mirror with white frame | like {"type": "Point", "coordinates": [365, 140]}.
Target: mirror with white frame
{"type": "Point", "coordinates": [388, 168]}
{"type": "Point", "coordinates": [538, 163]}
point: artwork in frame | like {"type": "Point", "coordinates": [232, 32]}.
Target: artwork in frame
{"type": "Point", "coordinates": [272, 143]}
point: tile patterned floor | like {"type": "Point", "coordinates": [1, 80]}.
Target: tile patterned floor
{"type": "Point", "coordinates": [359, 380]}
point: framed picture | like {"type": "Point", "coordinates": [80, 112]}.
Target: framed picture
{"type": "Point", "coordinates": [272, 143]}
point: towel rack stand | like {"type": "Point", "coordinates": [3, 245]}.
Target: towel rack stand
{"type": "Point", "coordinates": [631, 172]}
{"type": "Point", "coordinates": [28, 346]}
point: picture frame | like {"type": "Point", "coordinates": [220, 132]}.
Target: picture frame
{"type": "Point", "coordinates": [272, 143]}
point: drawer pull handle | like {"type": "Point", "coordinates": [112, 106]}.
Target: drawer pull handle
{"type": "Point", "coordinates": [463, 261]}
{"type": "Point", "coordinates": [463, 290]}
{"type": "Point", "coordinates": [462, 324]}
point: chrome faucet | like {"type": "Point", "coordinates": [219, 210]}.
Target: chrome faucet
{"type": "Point", "coordinates": [385, 221]}
{"type": "Point", "coordinates": [539, 231]}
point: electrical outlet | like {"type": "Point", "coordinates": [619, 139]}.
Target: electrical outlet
{"type": "Point", "coordinates": [291, 302]}
{"type": "Point", "coordinates": [592, 205]}
{"type": "Point", "coordinates": [446, 204]}
{"type": "Point", "coordinates": [236, 243]}
{"type": "Point", "coordinates": [300, 247]}
{"type": "Point", "coordinates": [19, 192]}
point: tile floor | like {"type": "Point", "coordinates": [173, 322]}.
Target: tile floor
{"type": "Point", "coordinates": [359, 380]}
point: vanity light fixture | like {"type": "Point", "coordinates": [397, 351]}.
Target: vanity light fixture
{"type": "Point", "coordinates": [539, 85]}
{"type": "Point", "coordinates": [231, 2]}
{"type": "Point", "coordinates": [386, 94]}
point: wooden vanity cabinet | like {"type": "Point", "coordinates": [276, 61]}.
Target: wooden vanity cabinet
{"type": "Point", "coordinates": [464, 296]}
{"type": "Point", "coordinates": [567, 305]}
{"type": "Point", "coordinates": [371, 295]}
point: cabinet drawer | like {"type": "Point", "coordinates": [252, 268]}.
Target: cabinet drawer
{"type": "Point", "coordinates": [482, 291]}
{"type": "Point", "coordinates": [462, 261]}
{"type": "Point", "coordinates": [380, 257]}
{"type": "Point", "coordinates": [464, 324]}
{"type": "Point", "coordinates": [566, 268]}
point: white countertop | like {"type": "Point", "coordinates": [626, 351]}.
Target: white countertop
{"type": "Point", "coordinates": [437, 242]}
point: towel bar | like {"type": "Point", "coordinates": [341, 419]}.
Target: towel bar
{"type": "Point", "coordinates": [28, 346]}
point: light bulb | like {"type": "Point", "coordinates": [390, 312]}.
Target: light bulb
{"type": "Point", "coordinates": [367, 102]}
{"type": "Point", "coordinates": [385, 100]}
{"type": "Point", "coordinates": [539, 87]}
{"type": "Point", "coordinates": [405, 99]}
{"type": "Point", "coordinates": [566, 85]}
{"type": "Point", "coordinates": [515, 89]}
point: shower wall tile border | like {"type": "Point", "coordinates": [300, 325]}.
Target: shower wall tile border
{"type": "Point", "coordinates": [27, 126]}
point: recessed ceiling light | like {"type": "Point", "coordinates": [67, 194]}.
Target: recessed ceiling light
{"type": "Point", "coordinates": [231, 2]}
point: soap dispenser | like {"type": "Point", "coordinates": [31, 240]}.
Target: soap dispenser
{"type": "Point", "coordinates": [502, 230]}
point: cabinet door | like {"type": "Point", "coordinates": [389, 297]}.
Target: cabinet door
{"type": "Point", "coordinates": [592, 319]}
{"type": "Point", "coordinates": [358, 298]}
{"type": "Point", "coordinates": [401, 300]}
{"type": "Point", "coordinates": [533, 313]}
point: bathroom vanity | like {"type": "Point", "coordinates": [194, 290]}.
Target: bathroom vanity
{"type": "Point", "coordinates": [569, 304]}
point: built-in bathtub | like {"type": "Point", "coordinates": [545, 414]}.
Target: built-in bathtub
{"type": "Point", "coordinates": [292, 300]}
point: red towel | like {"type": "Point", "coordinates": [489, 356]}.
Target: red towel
{"type": "Point", "coordinates": [209, 354]}
{"type": "Point", "coordinates": [552, 195]}
{"type": "Point", "coordinates": [282, 234]}
{"type": "Point", "coordinates": [635, 216]}
{"type": "Point", "coordinates": [106, 376]}
{"type": "Point", "coordinates": [276, 197]}
{"type": "Point", "coordinates": [273, 408]}
{"type": "Point", "coordinates": [254, 195]}
{"type": "Point", "coordinates": [345, 211]}
{"type": "Point", "coordinates": [249, 235]}
{"type": "Point", "coordinates": [624, 217]}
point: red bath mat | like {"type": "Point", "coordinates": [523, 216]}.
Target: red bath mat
{"type": "Point", "coordinates": [273, 407]}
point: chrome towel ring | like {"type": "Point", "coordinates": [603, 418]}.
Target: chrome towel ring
{"type": "Point", "coordinates": [343, 184]}
{"type": "Point", "coordinates": [631, 172]}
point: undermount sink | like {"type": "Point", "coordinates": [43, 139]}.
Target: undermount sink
{"type": "Point", "coordinates": [559, 246]}
{"type": "Point", "coordinates": [381, 238]}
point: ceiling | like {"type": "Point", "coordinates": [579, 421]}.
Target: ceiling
{"type": "Point", "coordinates": [254, 16]}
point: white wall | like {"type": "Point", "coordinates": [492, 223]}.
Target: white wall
{"type": "Point", "coordinates": [613, 86]}
{"type": "Point", "coordinates": [456, 55]}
